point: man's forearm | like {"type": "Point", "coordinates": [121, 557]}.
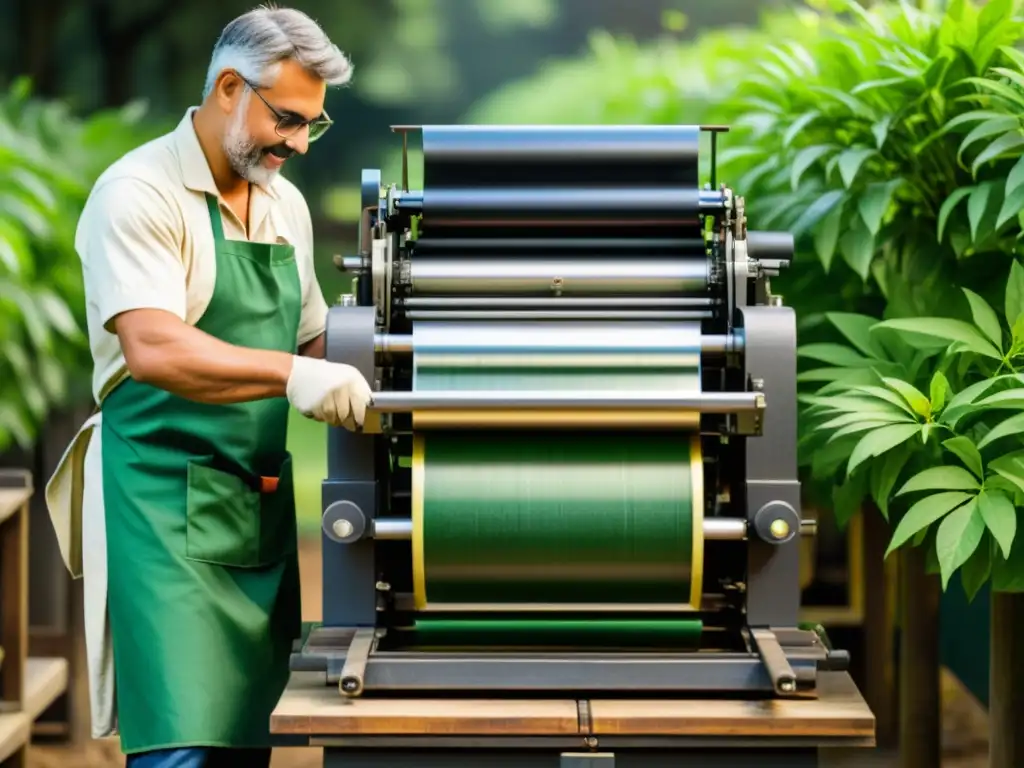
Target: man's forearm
{"type": "Point", "coordinates": [163, 351]}
{"type": "Point", "coordinates": [315, 347]}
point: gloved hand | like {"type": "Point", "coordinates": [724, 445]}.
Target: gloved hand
{"type": "Point", "coordinates": [334, 393]}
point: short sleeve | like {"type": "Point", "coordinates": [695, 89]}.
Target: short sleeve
{"type": "Point", "coordinates": [129, 241]}
{"type": "Point", "coordinates": [314, 308]}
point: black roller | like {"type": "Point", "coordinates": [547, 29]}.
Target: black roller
{"type": "Point", "coordinates": [539, 247]}
{"type": "Point", "coordinates": [561, 178]}
{"type": "Point", "coordinates": [675, 208]}
{"type": "Point", "coordinates": [576, 156]}
{"type": "Point", "coordinates": [770, 246]}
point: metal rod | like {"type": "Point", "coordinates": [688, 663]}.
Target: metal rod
{"type": "Point", "coordinates": [556, 314]}
{"type": "Point", "coordinates": [396, 343]}
{"type": "Point", "coordinates": [715, 529]}
{"type": "Point", "coordinates": [552, 302]}
{"type": "Point", "coordinates": [703, 402]}
{"type": "Point", "coordinates": [725, 528]}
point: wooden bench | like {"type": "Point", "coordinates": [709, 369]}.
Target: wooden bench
{"type": "Point", "coordinates": [28, 686]}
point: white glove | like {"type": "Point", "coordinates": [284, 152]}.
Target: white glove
{"type": "Point", "coordinates": [334, 393]}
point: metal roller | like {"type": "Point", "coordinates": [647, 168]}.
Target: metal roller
{"type": "Point", "coordinates": [636, 402]}
{"type": "Point", "coordinates": [498, 314]}
{"type": "Point", "coordinates": [560, 520]}
{"type": "Point", "coordinates": [486, 247]}
{"type": "Point", "coordinates": [563, 277]}
{"type": "Point", "coordinates": [402, 344]}
{"type": "Point", "coordinates": [573, 155]}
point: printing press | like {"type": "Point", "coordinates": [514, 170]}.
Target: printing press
{"type": "Point", "coordinates": [577, 479]}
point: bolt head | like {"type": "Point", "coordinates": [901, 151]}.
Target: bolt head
{"type": "Point", "coordinates": [779, 528]}
{"type": "Point", "coordinates": [343, 529]}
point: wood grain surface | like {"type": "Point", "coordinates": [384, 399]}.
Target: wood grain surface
{"type": "Point", "coordinates": [311, 708]}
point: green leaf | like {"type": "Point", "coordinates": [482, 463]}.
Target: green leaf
{"type": "Point", "coordinates": [878, 441]}
{"type": "Point", "coordinates": [914, 397]}
{"type": "Point", "coordinates": [1000, 517]}
{"type": "Point", "coordinates": [833, 354]}
{"type": "Point", "coordinates": [948, 205]}
{"type": "Point", "coordinates": [816, 211]}
{"type": "Point", "coordinates": [939, 391]}
{"type": "Point", "coordinates": [1009, 142]}
{"type": "Point", "coordinates": [846, 500]}
{"type": "Point", "coordinates": [826, 235]}
{"type": "Point", "coordinates": [875, 202]}
{"type": "Point", "coordinates": [1013, 204]}
{"type": "Point", "coordinates": [798, 125]}
{"type": "Point", "coordinates": [857, 330]}
{"type": "Point", "coordinates": [884, 474]}
{"type": "Point", "coordinates": [804, 160]}
{"type": "Point", "coordinates": [984, 198]}
{"type": "Point", "coordinates": [944, 478]}
{"type": "Point", "coordinates": [857, 245]}
{"type": "Point", "coordinates": [888, 396]}
{"type": "Point", "coordinates": [1015, 178]}
{"type": "Point", "coordinates": [975, 572]}
{"type": "Point", "coordinates": [985, 318]}
{"type": "Point", "coordinates": [849, 376]}
{"type": "Point", "coordinates": [880, 130]}
{"type": "Point", "coordinates": [967, 452]}
{"type": "Point", "coordinates": [946, 329]}
{"type": "Point", "coordinates": [962, 401]}
{"type": "Point", "coordinates": [850, 161]}
{"type": "Point", "coordinates": [857, 418]}
{"type": "Point", "coordinates": [996, 126]}
{"type": "Point", "coordinates": [924, 513]}
{"type": "Point", "coordinates": [1010, 426]}
{"type": "Point", "coordinates": [957, 538]}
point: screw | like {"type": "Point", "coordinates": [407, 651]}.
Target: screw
{"type": "Point", "coordinates": [343, 528]}
{"type": "Point", "coordinates": [779, 528]}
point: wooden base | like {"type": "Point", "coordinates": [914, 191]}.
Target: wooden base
{"type": "Point", "coordinates": [536, 731]}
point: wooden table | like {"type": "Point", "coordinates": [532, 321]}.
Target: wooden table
{"type": "Point", "coordinates": [571, 733]}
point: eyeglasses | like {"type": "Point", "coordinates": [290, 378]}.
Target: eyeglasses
{"type": "Point", "coordinates": [290, 123]}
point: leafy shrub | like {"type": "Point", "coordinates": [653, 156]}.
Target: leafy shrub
{"type": "Point", "coordinates": [885, 145]}
{"type": "Point", "coordinates": [935, 435]}
{"type": "Point", "coordinates": [48, 161]}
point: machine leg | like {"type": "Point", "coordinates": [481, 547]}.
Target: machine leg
{"type": "Point", "coordinates": [684, 758]}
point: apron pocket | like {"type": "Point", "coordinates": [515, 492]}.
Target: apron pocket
{"type": "Point", "coordinates": [278, 535]}
{"type": "Point", "coordinates": [228, 523]}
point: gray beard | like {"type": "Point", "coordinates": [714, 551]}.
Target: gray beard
{"type": "Point", "coordinates": [243, 154]}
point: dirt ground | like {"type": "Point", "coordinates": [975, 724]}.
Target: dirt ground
{"type": "Point", "coordinates": [965, 737]}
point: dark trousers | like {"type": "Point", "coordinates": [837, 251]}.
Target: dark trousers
{"type": "Point", "coordinates": [200, 757]}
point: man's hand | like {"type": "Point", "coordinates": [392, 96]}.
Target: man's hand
{"type": "Point", "coordinates": [331, 392]}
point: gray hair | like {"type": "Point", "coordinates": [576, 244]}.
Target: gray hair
{"type": "Point", "coordinates": [257, 42]}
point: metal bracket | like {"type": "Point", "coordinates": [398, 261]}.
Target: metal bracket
{"type": "Point", "coordinates": [363, 643]}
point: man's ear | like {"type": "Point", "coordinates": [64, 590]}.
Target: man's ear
{"type": "Point", "coordinates": [227, 88]}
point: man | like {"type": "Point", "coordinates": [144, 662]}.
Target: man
{"type": "Point", "coordinates": [205, 322]}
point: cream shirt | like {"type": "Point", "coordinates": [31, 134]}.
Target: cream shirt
{"type": "Point", "coordinates": [146, 241]}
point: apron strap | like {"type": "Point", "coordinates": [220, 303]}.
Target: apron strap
{"type": "Point", "coordinates": [218, 226]}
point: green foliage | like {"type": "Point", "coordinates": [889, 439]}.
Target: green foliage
{"type": "Point", "coordinates": [48, 161]}
{"type": "Point", "coordinates": [936, 442]}
{"type": "Point", "coordinates": [891, 146]}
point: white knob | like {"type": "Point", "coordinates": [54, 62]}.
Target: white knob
{"type": "Point", "coordinates": [342, 528]}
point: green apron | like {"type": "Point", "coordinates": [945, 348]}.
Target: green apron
{"type": "Point", "coordinates": [202, 561]}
